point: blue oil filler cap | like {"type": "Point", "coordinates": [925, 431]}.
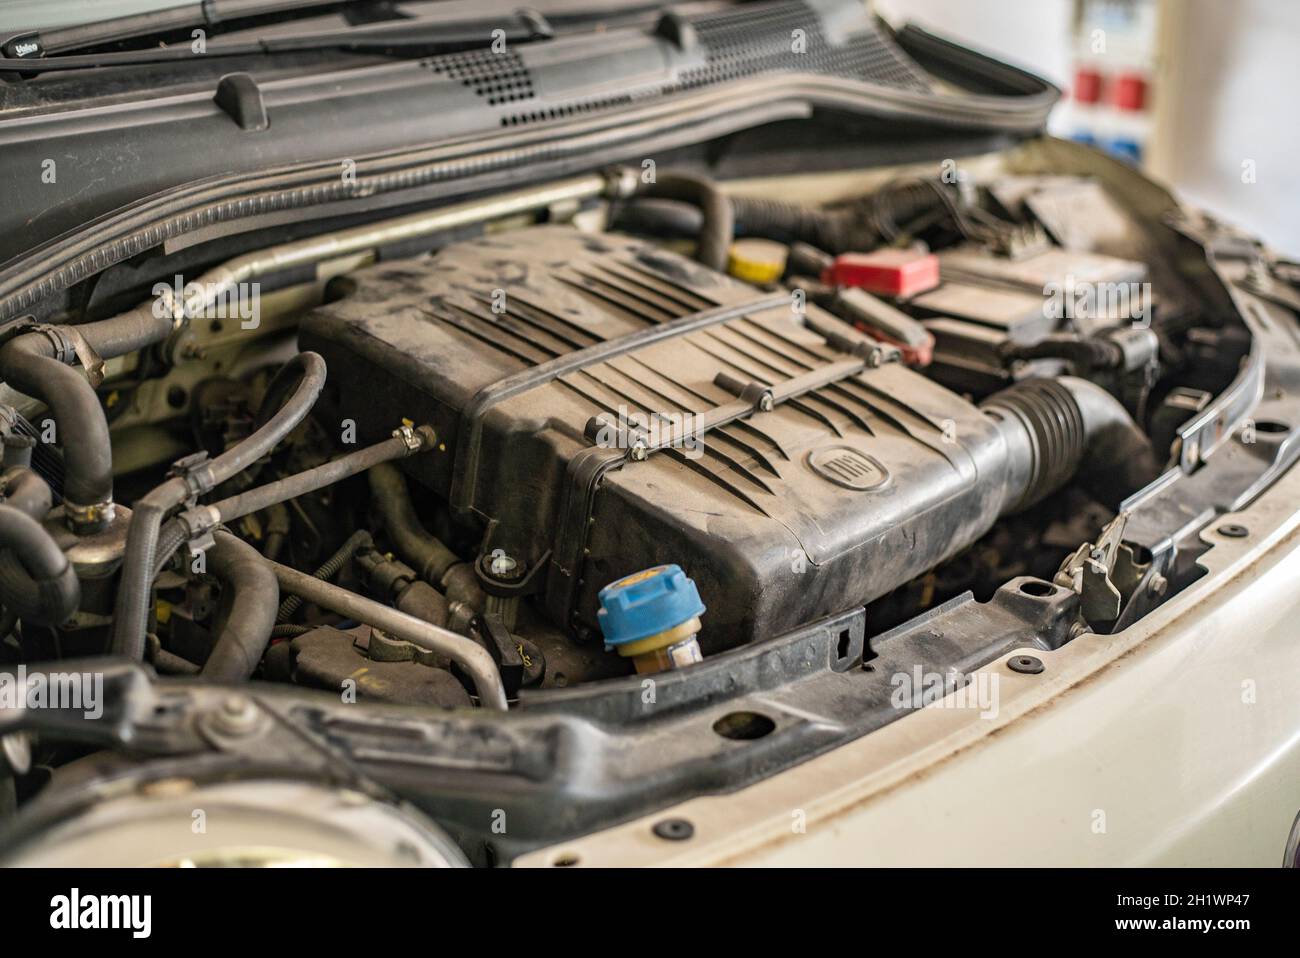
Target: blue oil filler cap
{"type": "Point", "coordinates": [647, 603]}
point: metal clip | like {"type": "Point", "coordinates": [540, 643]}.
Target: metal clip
{"type": "Point", "coordinates": [196, 470]}
{"type": "Point", "coordinates": [200, 522]}
{"type": "Point", "coordinates": [409, 438]}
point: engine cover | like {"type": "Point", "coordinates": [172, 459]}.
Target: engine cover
{"type": "Point", "coordinates": [604, 406]}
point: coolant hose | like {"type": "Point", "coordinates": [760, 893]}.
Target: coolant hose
{"type": "Point", "coordinates": [249, 598]}
{"type": "Point", "coordinates": [274, 494]}
{"type": "Point", "coordinates": [131, 615]}
{"type": "Point", "coordinates": [32, 363]}
{"type": "Point", "coordinates": [1057, 428]}
{"type": "Point", "coordinates": [82, 425]}
{"type": "Point", "coordinates": [414, 544]}
{"type": "Point", "coordinates": [41, 587]}
{"type": "Point", "coordinates": [717, 224]}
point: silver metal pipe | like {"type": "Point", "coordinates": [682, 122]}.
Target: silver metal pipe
{"type": "Point", "coordinates": [215, 283]}
{"type": "Point", "coordinates": [466, 653]}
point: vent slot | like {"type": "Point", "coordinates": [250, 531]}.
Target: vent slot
{"type": "Point", "coordinates": [496, 77]}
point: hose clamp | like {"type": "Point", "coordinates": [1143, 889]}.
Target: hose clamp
{"type": "Point", "coordinates": [199, 523]}
{"type": "Point", "coordinates": [89, 518]}
{"type": "Point", "coordinates": [196, 471]}
{"type": "Point", "coordinates": [70, 345]}
{"type": "Point", "coordinates": [415, 438]}
{"type": "Point", "coordinates": [409, 439]}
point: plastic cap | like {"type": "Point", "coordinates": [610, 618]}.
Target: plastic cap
{"type": "Point", "coordinates": [757, 260]}
{"type": "Point", "coordinates": [646, 603]}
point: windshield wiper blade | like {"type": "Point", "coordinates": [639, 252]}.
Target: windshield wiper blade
{"type": "Point", "coordinates": [426, 34]}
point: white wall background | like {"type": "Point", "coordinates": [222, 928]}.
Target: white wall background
{"type": "Point", "coordinates": [1227, 91]}
{"type": "Point", "coordinates": [1230, 93]}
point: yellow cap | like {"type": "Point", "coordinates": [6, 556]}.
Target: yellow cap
{"type": "Point", "coordinates": [757, 260]}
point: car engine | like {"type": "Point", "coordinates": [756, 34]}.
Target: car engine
{"type": "Point", "coordinates": [577, 479]}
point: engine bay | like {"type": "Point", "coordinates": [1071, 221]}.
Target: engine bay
{"type": "Point", "coordinates": [642, 483]}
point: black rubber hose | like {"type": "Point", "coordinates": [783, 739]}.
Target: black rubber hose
{"type": "Point", "coordinates": [42, 586]}
{"type": "Point", "coordinates": [277, 530]}
{"type": "Point", "coordinates": [26, 365]}
{"type": "Point", "coordinates": [327, 571]}
{"type": "Point", "coordinates": [249, 598]}
{"type": "Point", "coordinates": [27, 492]}
{"type": "Point", "coordinates": [426, 554]}
{"type": "Point", "coordinates": [290, 487]}
{"type": "Point", "coordinates": [424, 602]}
{"type": "Point", "coordinates": [126, 332]}
{"type": "Point", "coordinates": [1085, 353]}
{"type": "Point", "coordinates": [131, 615]}
{"type": "Point", "coordinates": [717, 226]}
{"type": "Point", "coordinates": [275, 493]}
{"type": "Point", "coordinates": [836, 230]}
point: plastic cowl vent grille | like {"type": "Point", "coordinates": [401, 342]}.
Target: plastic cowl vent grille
{"type": "Point", "coordinates": [496, 77]}
{"type": "Point", "coordinates": [758, 38]}
{"type": "Point", "coordinates": [761, 38]}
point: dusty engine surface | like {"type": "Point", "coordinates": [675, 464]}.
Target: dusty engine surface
{"type": "Point", "coordinates": [604, 406]}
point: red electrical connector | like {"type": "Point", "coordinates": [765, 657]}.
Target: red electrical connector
{"type": "Point", "coordinates": [888, 272]}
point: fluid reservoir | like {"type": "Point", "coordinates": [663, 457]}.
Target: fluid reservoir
{"type": "Point", "coordinates": [653, 617]}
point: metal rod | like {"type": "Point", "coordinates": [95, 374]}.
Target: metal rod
{"type": "Point", "coordinates": [465, 652]}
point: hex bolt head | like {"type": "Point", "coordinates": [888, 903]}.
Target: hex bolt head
{"type": "Point", "coordinates": [238, 715]}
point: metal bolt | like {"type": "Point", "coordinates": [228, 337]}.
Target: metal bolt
{"type": "Point", "coordinates": [502, 565]}
{"type": "Point", "coordinates": [1158, 585]}
{"type": "Point", "coordinates": [638, 451]}
{"type": "Point", "coordinates": [237, 715]}
{"type": "Point", "coordinates": [766, 403]}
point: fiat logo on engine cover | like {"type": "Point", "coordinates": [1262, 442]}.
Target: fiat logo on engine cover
{"type": "Point", "coordinates": [847, 467]}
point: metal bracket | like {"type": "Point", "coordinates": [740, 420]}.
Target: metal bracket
{"type": "Point", "coordinates": [1104, 574]}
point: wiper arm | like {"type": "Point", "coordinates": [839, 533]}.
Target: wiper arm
{"type": "Point", "coordinates": [432, 34]}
